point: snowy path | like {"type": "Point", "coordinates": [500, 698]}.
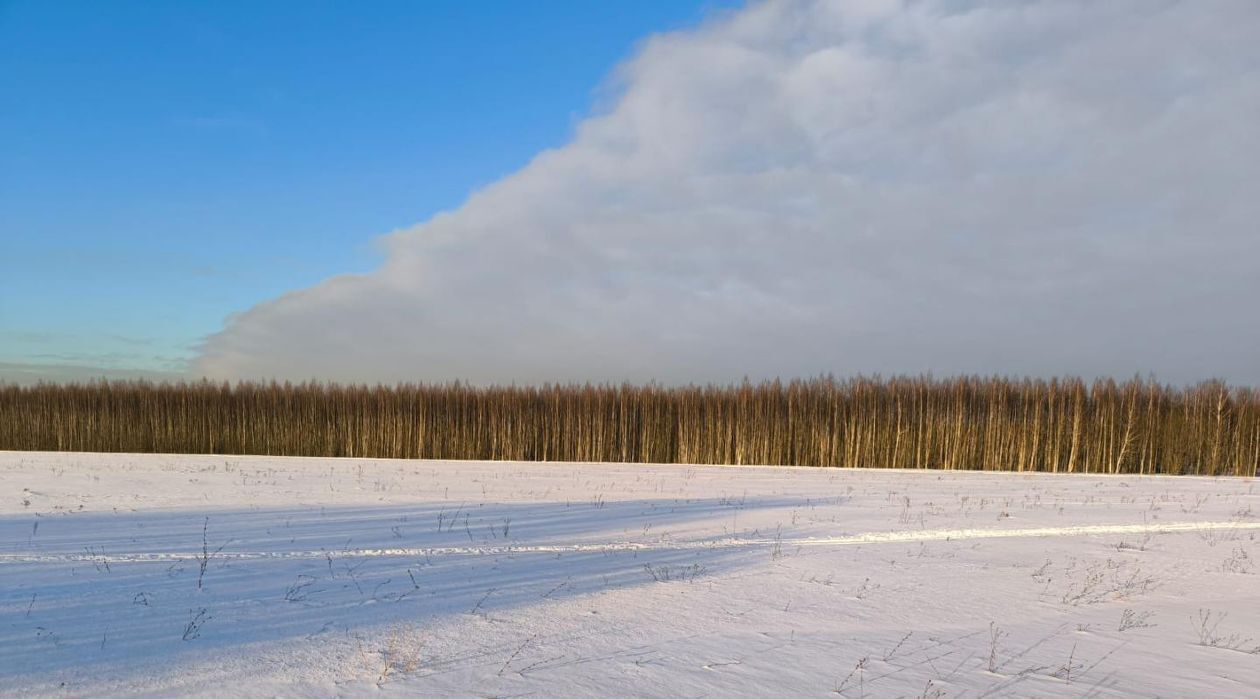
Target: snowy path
{"type": "Point", "coordinates": [233, 576]}
{"type": "Point", "coordinates": [886, 537]}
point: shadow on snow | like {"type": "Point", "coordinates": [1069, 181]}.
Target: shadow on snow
{"type": "Point", "coordinates": [61, 614]}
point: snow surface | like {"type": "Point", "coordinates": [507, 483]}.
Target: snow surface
{"type": "Point", "coordinates": [355, 576]}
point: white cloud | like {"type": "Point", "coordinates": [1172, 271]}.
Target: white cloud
{"type": "Point", "coordinates": [805, 187]}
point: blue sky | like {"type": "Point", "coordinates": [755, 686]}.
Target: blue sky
{"type": "Point", "coordinates": [167, 164]}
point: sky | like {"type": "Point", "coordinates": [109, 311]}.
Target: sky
{"type": "Point", "coordinates": [647, 191]}
{"type": "Point", "coordinates": [164, 165]}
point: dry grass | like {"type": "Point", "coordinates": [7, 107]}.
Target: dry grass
{"type": "Point", "coordinates": [1059, 425]}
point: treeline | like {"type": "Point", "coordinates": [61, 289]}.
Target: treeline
{"type": "Point", "coordinates": [1058, 425]}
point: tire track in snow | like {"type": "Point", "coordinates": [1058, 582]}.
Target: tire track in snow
{"type": "Point", "coordinates": [884, 537]}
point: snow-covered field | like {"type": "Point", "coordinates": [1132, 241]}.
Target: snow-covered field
{"type": "Point", "coordinates": [161, 575]}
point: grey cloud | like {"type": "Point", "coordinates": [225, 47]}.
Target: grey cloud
{"type": "Point", "coordinates": [804, 187]}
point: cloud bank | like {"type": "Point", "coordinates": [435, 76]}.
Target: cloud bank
{"type": "Point", "coordinates": [849, 187]}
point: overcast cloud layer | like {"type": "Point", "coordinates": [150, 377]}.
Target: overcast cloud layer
{"type": "Point", "coordinates": [850, 187]}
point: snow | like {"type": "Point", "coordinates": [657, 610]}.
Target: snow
{"type": "Point", "coordinates": [356, 576]}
